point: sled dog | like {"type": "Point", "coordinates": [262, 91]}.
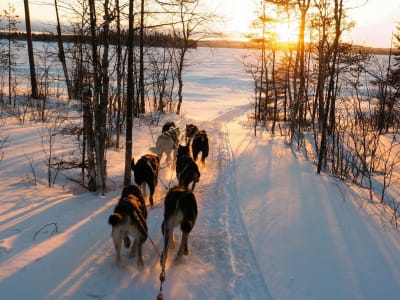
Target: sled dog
{"type": "Point", "coordinates": [200, 144]}
{"type": "Point", "coordinates": [129, 219]}
{"type": "Point", "coordinates": [190, 132]}
{"type": "Point", "coordinates": [146, 172]}
{"type": "Point", "coordinates": [167, 143]}
{"type": "Point", "coordinates": [187, 170]}
{"type": "Point", "coordinates": [167, 126]}
{"type": "Point", "coordinates": [180, 209]}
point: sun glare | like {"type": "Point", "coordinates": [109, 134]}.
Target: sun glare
{"type": "Point", "coordinates": [285, 33]}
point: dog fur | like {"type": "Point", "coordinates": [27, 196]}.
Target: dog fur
{"type": "Point", "coordinates": [201, 144]}
{"type": "Point", "coordinates": [180, 208]}
{"type": "Point", "coordinates": [167, 126]}
{"type": "Point", "coordinates": [187, 170]}
{"type": "Point", "coordinates": [129, 218]}
{"type": "Point", "coordinates": [190, 132]}
{"type": "Point", "coordinates": [167, 143]}
{"type": "Point", "coordinates": [146, 172]}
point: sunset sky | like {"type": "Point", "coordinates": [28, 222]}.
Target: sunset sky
{"type": "Point", "coordinates": [375, 20]}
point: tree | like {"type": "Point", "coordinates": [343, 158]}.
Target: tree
{"type": "Point", "coordinates": [7, 53]}
{"type": "Point", "coordinates": [34, 86]}
{"type": "Point", "coordinates": [394, 78]}
{"type": "Point", "coordinates": [141, 59]}
{"type": "Point", "coordinates": [328, 117]}
{"type": "Point", "coordinates": [130, 97]}
{"type": "Point", "coordinates": [189, 25]}
{"type": "Point", "coordinates": [61, 52]}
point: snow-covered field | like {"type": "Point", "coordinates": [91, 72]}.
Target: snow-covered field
{"type": "Point", "coordinates": [268, 227]}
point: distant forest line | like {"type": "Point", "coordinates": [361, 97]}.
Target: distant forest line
{"type": "Point", "coordinates": [157, 39]}
{"type": "Point", "coordinates": [152, 39]}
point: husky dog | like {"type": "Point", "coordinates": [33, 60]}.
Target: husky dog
{"type": "Point", "coordinates": [129, 218]}
{"type": "Point", "coordinates": [167, 126]}
{"type": "Point", "coordinates": [190, 132]}
{"type": "Point", "coordinates": [167, 143]}
{"type": "Point", "coordinates": [180, 208]}
{"type": "Point", "coordinates": [200, 144]}
{"type": "Point", "coordinates": [146, 172]}
{"type": "Point", "coordinates": [186, 169]}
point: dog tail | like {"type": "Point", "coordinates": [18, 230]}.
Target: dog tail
{"type": "Point", "coordinates": [114, 219]}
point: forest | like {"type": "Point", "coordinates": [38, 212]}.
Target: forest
{"type": "Point", "coordinates": [123, 59]}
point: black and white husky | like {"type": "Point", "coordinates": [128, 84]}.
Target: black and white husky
{"type": "Point", "coordinates": [180, 209]}
{"type": "Point", "coordinates": [129, 219]}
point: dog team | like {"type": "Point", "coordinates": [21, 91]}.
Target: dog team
{"type": "Point", "coordinates": [129, 219]}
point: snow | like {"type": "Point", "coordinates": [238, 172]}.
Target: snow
{"type": "Point", "coordinates": [269, 227]}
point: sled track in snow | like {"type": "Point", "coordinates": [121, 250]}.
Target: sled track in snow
{"type": "Point", "coordinates": [232, 248]}
{"type": "Point", "coordinates": [245, 261]}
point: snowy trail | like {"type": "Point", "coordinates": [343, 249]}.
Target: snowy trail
{"type": "Point", "coordinates": [268, 228]}
{"type": "Point", "coordinates": [249, 281]}
{"type": "Point", "coordinates": [221, 264]}
{"type": "Point", "coordinates": [222, 261]}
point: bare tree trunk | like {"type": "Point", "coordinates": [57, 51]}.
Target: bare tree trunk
{"type": "Point", "coordinates": [180, 80]}
{"type": "Point", "coordinates": [329, 113]}
{"type": "Point", "coordinates": [101, 112]}
{"type": "Point", "coordinates": [274, 88]}
{"type": "Point", "coordinates": [302, 84]}
{"type": "Point", "coordinates": [141, 62]}
{"type": "Point", "coordinates": [30, 50]}
{"type": "Point", "coordinates": [97, 95]}
{"type": "Point", "coordinates": [61, 53]}
{"type": "Point", "coordinates": [119, 73]}
{"type": "Point", "coordinates": [89, 138]}
{"type": "Point", "coordinates": [129, 100]}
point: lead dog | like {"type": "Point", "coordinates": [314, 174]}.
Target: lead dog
{"type": "Point", "coordinates": [167, 143]}
{"type": "Point", "coordinates": [146, 172]}
{"type": "Point", "coordinates": [180, 208]}
{"type": "Point", "coordinates": [186, 169]}
{"type": "Point", "coordinates": [129, 218]}
{"type": "Point", "coordinates": [167, 126]}
{"type": "Point", "coordinates": [200, 144]}
{"type": "Point", "coordinates": [190, 132]}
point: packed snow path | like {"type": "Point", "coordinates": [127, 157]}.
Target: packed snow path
{"type": "Point", "coordinates": [269, 227]}
{"type": "Point", "coordinates": [222, 263]}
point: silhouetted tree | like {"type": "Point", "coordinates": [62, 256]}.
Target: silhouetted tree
{"type": "Point", "coordinates": [32, 70]}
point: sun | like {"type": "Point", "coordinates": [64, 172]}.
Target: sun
{"type": "Point", "coordinates": [285, 33]}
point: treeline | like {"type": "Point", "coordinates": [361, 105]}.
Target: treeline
{"type": "Point", "coordinates": [151, 39]}
{"type": "Point", "coordinates": [334, 100]}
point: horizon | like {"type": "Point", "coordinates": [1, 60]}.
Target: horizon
{"type": "Point", "coordinates": [369, 30]}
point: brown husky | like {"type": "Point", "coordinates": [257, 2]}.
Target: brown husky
{"type": "Point", "coordinates": [129, 218]}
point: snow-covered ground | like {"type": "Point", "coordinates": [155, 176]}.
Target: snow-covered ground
{"type": "Point", "coordinates": [268, 227]}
